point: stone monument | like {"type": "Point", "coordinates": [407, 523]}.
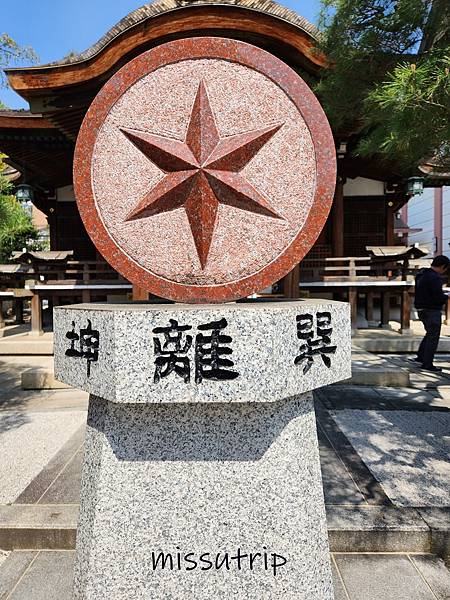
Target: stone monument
{"type": "Point", "coordinates": [204, 171]}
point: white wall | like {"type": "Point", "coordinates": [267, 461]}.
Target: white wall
{"type": "Point", "coordinates": [421, 216]}
{"type": "Point", "coordinates": [360, 186]}
{"type": "Point", "coordinates": [446, 221]}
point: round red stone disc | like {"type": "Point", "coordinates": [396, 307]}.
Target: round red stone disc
{"type": "Point", "coordinates": [204, 170]}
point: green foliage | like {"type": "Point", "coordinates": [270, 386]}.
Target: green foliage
{"type": "Point", "coordinates": [377, 86]}
{"type": "Point", "coordinates": [409, 114]}
{"type": "Point", "coordinates": [16, 229]}
{"type": "Point", "coordinates": [11, 53]}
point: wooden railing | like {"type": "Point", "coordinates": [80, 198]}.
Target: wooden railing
{"type": "Point", "coordinates": [343, 268]}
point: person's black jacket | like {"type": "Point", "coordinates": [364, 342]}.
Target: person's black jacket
{"type": "Point", "coordinates": [429, 294]}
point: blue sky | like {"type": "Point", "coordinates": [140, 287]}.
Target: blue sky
{"type": "Point", "coordinates": [56, 27]}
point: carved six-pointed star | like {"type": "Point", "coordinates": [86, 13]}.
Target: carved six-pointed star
{"type": "Point", "coordinates": [202, 172]}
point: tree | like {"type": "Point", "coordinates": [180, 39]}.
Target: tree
{"type": "Point", "coordinates": [11, 53]}
{"type": "Point", "coordinates": [16, 228]}
{"type": "Point", "coordinates": [388, 79]}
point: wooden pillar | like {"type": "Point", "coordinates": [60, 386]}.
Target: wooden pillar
{"type": "Point", "coordinates": [139, 293]}
{"type": "Point", "coordinates": [390, 238]}
{"type": "Point", "coordinates": [18, 310]}
{"type": "Point", "coordinates": [405, 319]}
{"type": "Point", "coordinates": [2, 320]}
{"type": "Point", "coordinates": [53, 227]}
{"type": "Point", "coordinates": [85, 296]}
{"type": "Point", "coordinates": [353, 300]}
{"type": "Point", "coordinates": [291, 283]}
{"type": "Point", "coordinates": [369, 307]}
{"type": "Point", "coordinates": [36, 315]}
{"type": "Point", "coordinates": [337, 218]}
{"type": "Point", "coordinates": [385, 309]}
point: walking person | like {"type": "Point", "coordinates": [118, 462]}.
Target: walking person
{"type": "Point", "coordinates": [429, 300]}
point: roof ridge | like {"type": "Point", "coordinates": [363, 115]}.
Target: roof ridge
{"type": "Point", "coordinates": [158, 7]}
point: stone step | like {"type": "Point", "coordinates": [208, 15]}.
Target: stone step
{"type": "Point", "coordinates": [396, 343]}
{"type": "Point", "coordinates": [41, 379]}
{"type": "Point", "coordinates": [378, 376]}
{"type": "Point", "coordinates": [372, 370]}
{"type": "Point", "coordinates": [350, 528]}
{"type": "Point", "coordinates": [38, 527]}
{"type": "Point", "coordinates": [27, 344]}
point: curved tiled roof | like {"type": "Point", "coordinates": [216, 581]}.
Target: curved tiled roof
{"type": "Point", "coordinates": [159, 7]}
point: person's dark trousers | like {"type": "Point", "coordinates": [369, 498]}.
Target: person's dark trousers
{"type": "Point", "coordinates": [428, 346]}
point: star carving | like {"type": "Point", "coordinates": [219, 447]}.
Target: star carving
{"type": "Point", "coordinates": [202, 172]}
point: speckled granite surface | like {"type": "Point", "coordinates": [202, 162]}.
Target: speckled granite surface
{"type": "Point", "coordinates": [260, 339]}
{"type": "Point", "coordinates": [231, 494]}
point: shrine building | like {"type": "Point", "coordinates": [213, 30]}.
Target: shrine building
{"type": "Point", "coordinates": [40, 142]}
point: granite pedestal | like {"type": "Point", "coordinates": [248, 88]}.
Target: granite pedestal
{"type": "Point", "coordinates": [202, 478]}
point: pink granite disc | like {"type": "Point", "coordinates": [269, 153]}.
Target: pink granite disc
{"type": "Point", "coordinates": [204, 170]}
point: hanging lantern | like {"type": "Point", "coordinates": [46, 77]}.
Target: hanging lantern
{"type": "Point", "coordinates": [415, 185]}
{"type": "Point", "coordinates": [24, 193]}
{"type": "Point", "coordinates": [25, 196]}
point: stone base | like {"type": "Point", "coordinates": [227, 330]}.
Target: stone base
{"type": "Point", "coordinates": [202, 483]}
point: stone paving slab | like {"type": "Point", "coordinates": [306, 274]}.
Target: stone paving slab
{"type": "Point", "coordinates": [368, 486]}
{"type": "Point", "coordinates": [59, 481]}
{"type": "Point", "coordinates": [55, 471]}
{"type": "Point", "coordinates": [381, 577]}
{"type": "Point", "coordinates": [407, 451]}
{"type": "Point", "coordinates": [434, 573]}
{"type": "Point", "coordinates": [339, 589]}
{"type": "Point", "coordinates": [28, 440]}
{"type": "Point", "coordinates": [37, 576]}
{"type": "Point", "coordinates": [47, 575]}
{"type": "Point", "coordinates": [12, 569]}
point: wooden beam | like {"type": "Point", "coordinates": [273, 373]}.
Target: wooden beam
{"type": "Point", "coordinates": [11, 121]}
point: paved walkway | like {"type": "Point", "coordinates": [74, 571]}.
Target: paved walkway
{"type": "Point", "coordinates": [383, 450]}
{"type": "Point", "coordinates": [46, 575]}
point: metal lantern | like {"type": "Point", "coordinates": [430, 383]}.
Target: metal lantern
{"type": "Point", "coordinates": [25, 196]}
{"type": "Point", "coordinates": [415, 185]}
{"type": "Point", "coordinates": [24, 193]}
